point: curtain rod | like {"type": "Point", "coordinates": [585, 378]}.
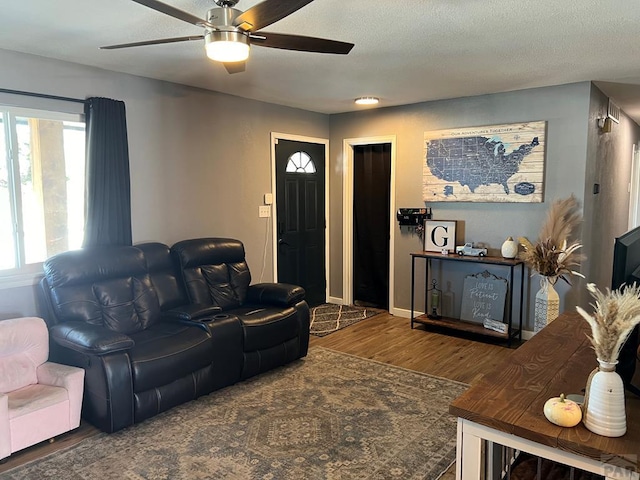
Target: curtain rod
{"type": "Point", "coordinates": [42, 95]}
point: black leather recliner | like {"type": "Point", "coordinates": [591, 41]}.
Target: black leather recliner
{"type": "Point", "coordinates": [129, 317]}
{"type": "Point", "coordinates": [226, 332]}
{"type": "Point", "coordinates": [274, 316]}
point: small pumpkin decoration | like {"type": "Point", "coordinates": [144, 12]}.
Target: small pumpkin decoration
{"type": "Point", "coordinates": [562, 412]}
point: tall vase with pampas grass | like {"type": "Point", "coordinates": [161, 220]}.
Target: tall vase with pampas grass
{"type": "Point", "coordinates": [553, 257]}
{"type": "Point", "coordinates": [547, 306]}
{"type": "Point", "coordinates": [616, 314]}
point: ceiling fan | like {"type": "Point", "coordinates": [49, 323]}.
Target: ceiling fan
{"type": "Point", "coordinates": [229, 32]}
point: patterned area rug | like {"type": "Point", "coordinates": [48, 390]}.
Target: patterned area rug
{"type": "Point", "coordinates": [328, 416]}
{"type": "Point", "coordinates": [328, 317]}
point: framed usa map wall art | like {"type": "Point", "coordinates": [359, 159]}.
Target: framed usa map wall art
{"type": "Point", "coordinates": [495, 163]}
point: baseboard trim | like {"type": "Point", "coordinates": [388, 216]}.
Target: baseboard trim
{"type": "Point", "coordinates": [335, 300]}
{"type": "Point", "coordinates": [401, 312]}
{"type": "Point", "coordinates": [527, 334]}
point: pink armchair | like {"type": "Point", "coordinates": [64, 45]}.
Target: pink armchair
{"type": "Point", "coordinates": [38, 399]}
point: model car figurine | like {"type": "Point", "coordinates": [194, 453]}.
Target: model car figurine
{"type": "Point", "coordinates": [469, 250]}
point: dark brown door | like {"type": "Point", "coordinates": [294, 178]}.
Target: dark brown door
{"type": "Point", "coordinates": [371, 205]}
{"type": "Point", "coordinates": [300, 214]}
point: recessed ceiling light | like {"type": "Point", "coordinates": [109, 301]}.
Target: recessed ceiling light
{"type": "Point", "coordinates": [367, 101]}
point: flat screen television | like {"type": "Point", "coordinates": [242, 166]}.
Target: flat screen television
{"type": "Point", "coordinates": [626, 259]}
{"type": "Point", "coordinates": [626, 270]}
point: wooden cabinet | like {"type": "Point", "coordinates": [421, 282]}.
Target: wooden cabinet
{"type": "Point", "coordinates": [514, 266]}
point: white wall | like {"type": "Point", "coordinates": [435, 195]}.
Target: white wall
{"type": "Point", "coordinates": [200, 160]}
{"type": "Point", "coordinates": [565, 108]}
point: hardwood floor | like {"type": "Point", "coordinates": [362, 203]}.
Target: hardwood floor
{"type": "Point", "coordinates": [390, 339]}
{"type": "Point", "coordinates": [384, 338]}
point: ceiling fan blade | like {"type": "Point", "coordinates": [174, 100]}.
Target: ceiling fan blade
{"type": "Point", "coordinates": [235, 67]}
{"type": "Point", "coordinates": [266, 13]}
{"type": "Point", "coordinates": [153, 42]}
{"type": "Point", "coordinates": [174, 12]}
{"type": "Point", "coordinates": [300, 43]}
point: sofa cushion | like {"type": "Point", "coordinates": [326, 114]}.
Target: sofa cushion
{"type": "Point", "coordinates": [266, 327]}
{"type": "Point", "coordinates": [28, 400]}
{"type": "Point", "coordinates": [165, 276]}
{"type": "Point", "coordinates": [215, 271]}
{"type": "Point", "coordinates": [227, 283]}
{"type": "Point", "coordinates": [129, 304]}
{"type": "Point", "coordinates": [73, 276]}
{"type": "Point", "coordinates": [168, 351]}
{"type": "Point", "coordinates": [220, 289]}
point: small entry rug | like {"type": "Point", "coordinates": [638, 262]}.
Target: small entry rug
{"type": "Point", "coordinates": [327, 416]}
{"type": "Point", "coordinates": [328, 317]}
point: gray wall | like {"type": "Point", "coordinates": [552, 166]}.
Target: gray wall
{"type": "Point", "coordinates": [200, 160]}
{"type": "Point", "coordinates": [18, 302]}
{"type": "Point", "coordinates": [609, 158]}
{"type": "Point", "coordinates": [565, 108]}
{"type": "Point", "coordinates": [200, 163]}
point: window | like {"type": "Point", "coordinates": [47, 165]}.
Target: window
{"type": "Point", "coordinates": [300, 162]}
{"type": "Point", "coordinates": [42, 158]}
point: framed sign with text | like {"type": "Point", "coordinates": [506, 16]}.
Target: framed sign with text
{"type": "Point", "coordinates": [483, 300]}
{"type": "Point", "coordinates": [439, 235]}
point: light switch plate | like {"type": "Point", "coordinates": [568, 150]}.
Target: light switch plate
{"type": "Point", "coordinates": [264, 211]}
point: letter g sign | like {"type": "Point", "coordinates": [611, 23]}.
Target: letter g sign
{"type": "Point", "coordinates": [439, 235]}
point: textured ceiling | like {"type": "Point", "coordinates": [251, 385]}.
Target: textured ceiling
{"type": "Point", "coordinates": [405, 52]}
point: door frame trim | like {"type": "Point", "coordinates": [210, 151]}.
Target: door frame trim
{"type": "Point", "coordinates": [348, 145]}
{"type": "Point", "coordinates": [634, 188]}
{"type": "Point", "coordinates": [275, 136]}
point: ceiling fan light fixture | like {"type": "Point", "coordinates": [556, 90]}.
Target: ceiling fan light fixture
{"type": "Point", "coordinates": [226, 46]}
{"type": "Point", "coordinates": [367, 101]}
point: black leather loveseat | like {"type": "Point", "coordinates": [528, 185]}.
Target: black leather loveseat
{"type": "Point", "coordinates": [154, 327]}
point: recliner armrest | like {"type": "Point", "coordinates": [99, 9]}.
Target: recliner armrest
{"type": "Point", "coordinates": [192, 311]}
{"type": "Point", "coordinates": [89, 339]}
{"type": "Point", "coordinates": [71, 379]}
{"type": "Point", "coordinates": [281, 294]}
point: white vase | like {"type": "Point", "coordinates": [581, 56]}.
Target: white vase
{"type": "Point", "coordinates": [509, 248]}
{"type": "Point", "coordinates": [547, 306]}
{"type": "Point", "coordinates": [604, 411]}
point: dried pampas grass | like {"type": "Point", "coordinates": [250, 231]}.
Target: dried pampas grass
{"type": "Point", "coordinates": [552, 255]}
{"type": "Point", "coordinates": [562, 219]}
{"type": "Point", "coordinates": [616, 314]}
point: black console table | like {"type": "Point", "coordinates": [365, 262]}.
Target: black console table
{"type": "Point", "coordinates": [462, 325]}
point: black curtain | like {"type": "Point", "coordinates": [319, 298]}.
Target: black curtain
{"type": "Point", "coordinates": [371, 204]}
{"type": "Point", "coordinates": [108, 187]}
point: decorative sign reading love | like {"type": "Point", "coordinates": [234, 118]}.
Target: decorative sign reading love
{"type": "Point", "coordinates": [483, 298]}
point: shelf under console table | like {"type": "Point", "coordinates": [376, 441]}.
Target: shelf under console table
{"type": "Point", "coordinates": [463, 325]}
